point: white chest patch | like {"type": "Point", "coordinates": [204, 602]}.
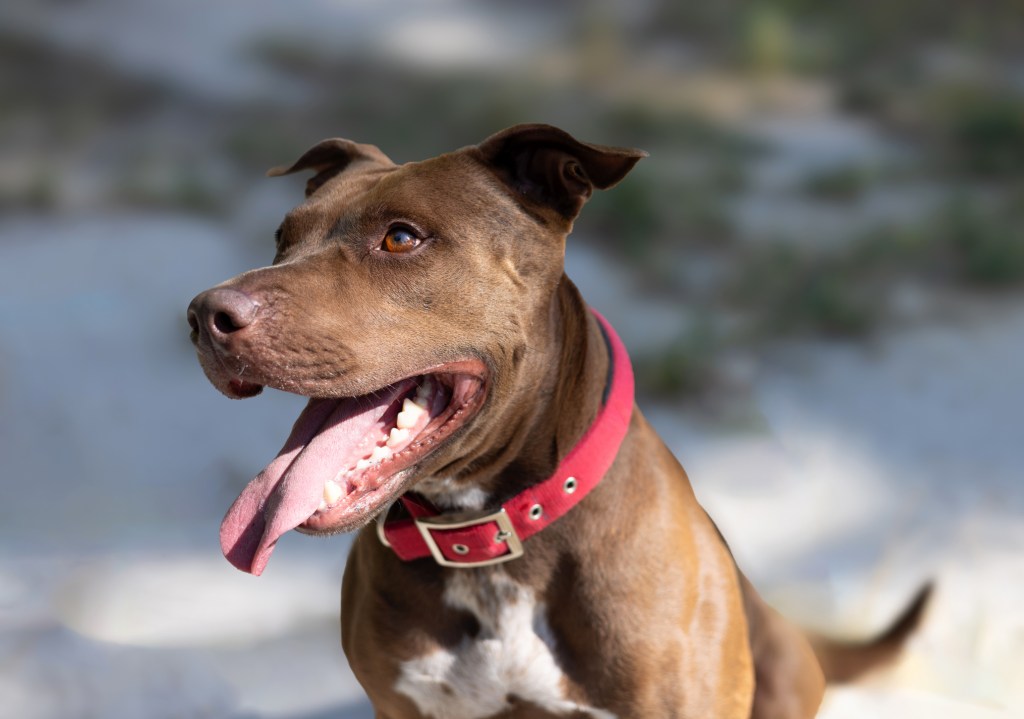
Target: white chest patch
{"type": "Point", "coordinates": [511, 655]}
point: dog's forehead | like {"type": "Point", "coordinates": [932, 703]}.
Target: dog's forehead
{"type": "Point", "coordinates": [356, 181]}
{"type": "Point", "coordinates": [449, 185]}
{"type": "Point", "coordinates": [447, 190]}
{"type": "Point", "coordinates": [347, 191]}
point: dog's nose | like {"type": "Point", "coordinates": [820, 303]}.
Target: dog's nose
{"type": "Point", "coordinates": [220, 313]}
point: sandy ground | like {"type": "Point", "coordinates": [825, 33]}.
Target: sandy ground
{"type": "Point", "coordinates": [868, 471]}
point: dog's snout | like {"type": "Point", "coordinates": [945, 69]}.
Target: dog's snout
{"type": "Point", "coordinates": [220, 313]}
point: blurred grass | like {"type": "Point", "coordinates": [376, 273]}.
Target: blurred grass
{"type": "Point", "coordinates": [986, 245]}
{"type": "Point", "coordinates": [845, 183]}
{"type": "Point", "coordinates": [968, 243]}
{"type": "Point", "coordinates": [787, 292]}
{"type": "Point", "coordinates": [982, 129]}
{"type": "Point", "coordinates": [685, 367]}
{"type": "Point", "coordinates": [183, 189]}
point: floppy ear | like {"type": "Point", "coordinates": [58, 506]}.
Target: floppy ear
{"type": "Point", "coordinates": [551, 168]}
{"type": "Point", "coordinates": [330, 157]}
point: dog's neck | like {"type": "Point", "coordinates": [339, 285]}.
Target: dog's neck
{"type": "Point", "coordinates": [580, 378]}
{"type": "Point", "coordinates": [565, 396]}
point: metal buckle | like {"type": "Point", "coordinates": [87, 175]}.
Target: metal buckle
{"type": "Point", "coordinates": [505, 530]}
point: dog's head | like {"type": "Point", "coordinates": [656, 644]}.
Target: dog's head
{"type": "Point", "coordinates": [404, 300]}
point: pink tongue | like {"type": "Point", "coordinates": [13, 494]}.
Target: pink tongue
{"type": "Point", "coordinates": [326, 438]}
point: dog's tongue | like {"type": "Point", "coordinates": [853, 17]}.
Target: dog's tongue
{"type": "Point", "coordinates": [326, 438]}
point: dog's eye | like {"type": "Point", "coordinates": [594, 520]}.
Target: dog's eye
{"type": "Point", "coordinates": [400, 239]}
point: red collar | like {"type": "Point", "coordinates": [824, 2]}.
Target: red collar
{"type": "Point", "coordinates": [473, 539]}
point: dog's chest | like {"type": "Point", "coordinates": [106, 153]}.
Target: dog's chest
{"type": "Point", "coordinates": [511, 659]}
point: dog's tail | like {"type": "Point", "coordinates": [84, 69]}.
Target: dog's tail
{"type": "Point", "coordinates": [845, 661]}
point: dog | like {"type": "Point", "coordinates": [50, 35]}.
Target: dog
{"type": "Point", "coordinates": [537, 550]}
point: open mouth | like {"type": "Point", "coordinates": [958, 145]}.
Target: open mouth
{"type": "Point", "coordinates": [347, 458]}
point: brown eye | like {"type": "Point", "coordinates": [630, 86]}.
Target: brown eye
{"type": "Point", "coordinates": [400, 239]}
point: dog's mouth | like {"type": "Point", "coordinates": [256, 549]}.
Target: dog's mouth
{"type": "Point", "coordinates": [347, 458]}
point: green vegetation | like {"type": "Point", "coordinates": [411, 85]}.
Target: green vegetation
{"type": "Point", "coordinates": [182, 188]}
{"type": "Point", "coordinates": [784, 291]}
{"type": "Point", "coordinates": [684, 367]}
{"type": "Point", "coordinates": [969, 243]}
{"type": "Point", "coordinates": [982, 130]}
{"type": "Point", "coordinates": [986, 245]}
{"type": "Point", "coordinates": [839, 184]}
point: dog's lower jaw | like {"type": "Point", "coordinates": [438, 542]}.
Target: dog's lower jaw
{"type": "Point", "coordinates": [403, 479]}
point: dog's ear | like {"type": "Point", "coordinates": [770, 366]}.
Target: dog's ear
{"type": "Point", "coordinates": [329, 158]}
{"type": "Point", "coordinates": [551, 168]}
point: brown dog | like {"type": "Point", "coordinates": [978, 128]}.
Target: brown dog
{"type": "Point", "coordinates": [424, 309]}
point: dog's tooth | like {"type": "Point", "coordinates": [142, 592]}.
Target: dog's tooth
{"type": "Point", "coordinates": [397, 437]}
{"type": "Point", "coordinates": [409, 415]}
{"type": "Point", "coordinates": [332, 492]}
{"type": "Point", "coordinates": [380, 453]}
{"type": "Point", "coordinates": [362, 464]}
{"type": "Point", "coordinates": [425, 390]}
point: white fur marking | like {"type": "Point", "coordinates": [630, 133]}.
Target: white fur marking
{"type": "Point", "coordinates": [512, 654]}
{"type": "Point", "coordinates": [446, 495]}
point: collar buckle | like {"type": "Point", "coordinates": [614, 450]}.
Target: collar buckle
{"type": "Point", "coordinates": [505, 533]}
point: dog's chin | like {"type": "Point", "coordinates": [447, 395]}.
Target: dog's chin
{"type": "Point", "coordinates": [240, 389]}
{"type": "Point", "coordinates": [230, 384]}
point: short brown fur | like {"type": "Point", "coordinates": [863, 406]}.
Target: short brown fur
{"type": "Point", "coordinates": [650, 614]}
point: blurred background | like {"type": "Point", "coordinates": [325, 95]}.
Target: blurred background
{"type": "Point", "coordinates": [818, 272]}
